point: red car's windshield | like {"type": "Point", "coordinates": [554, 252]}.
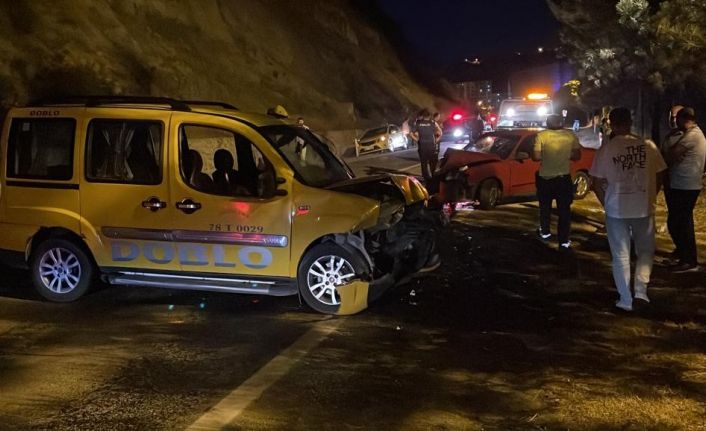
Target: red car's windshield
{"type": "Point", "coordinates": [494, 143]}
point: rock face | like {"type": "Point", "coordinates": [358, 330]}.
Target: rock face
{"type": "Point", "coordinates": [319, 59]}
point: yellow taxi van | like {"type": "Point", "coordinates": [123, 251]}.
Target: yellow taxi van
{"type": "Point", "coordinates": [200, 195]}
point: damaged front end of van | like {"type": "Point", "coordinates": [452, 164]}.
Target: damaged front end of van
{"type": "Point", "coordinates": [401, 243]}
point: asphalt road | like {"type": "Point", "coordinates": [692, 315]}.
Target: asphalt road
{"type": "Point", "coordinates": [148, 359]}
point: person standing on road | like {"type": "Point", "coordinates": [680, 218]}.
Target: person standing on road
{"type": "Point", "coordinates": [406, 127]}
{"type": "Point", "coordinates": [477, 127]}
{"type": "Point", "coordinates": [424, 132]}
{"type": "Point", "coordinates": [674, 133]}
{"type": "Point", "coordinates": [670, 139]}
{"type": "Point", "coordinates": [686, 158]}
{"type": "Point", "coordinates": [300, 149]}
{"type": "Point", "coordinates": [626, 179]}
{"type": "Point", "coordinates": [604, 133]}
{"type": "Point", "coordinates": [436, 118]}
{"type": "Point", "coordinates": [555, 148]}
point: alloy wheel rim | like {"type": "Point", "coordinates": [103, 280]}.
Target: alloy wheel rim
{"type": "Point", "coordinates": [581, 185]}
{"type": "Point", "coordinates": [59, 270]}
{"type": "Point", "coordinates": [494, 192]}
{"type": "Point", "coordinates": [325, 274]}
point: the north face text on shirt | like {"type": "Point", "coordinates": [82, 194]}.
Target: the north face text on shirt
{"type": "Point", "coordinates": [636, 157]}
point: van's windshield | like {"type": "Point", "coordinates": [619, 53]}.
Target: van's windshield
{"type": "Point", "coordinates": [312, 160]}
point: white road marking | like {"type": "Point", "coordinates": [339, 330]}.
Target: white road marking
{"type": "Point", "coordinates": [410, 167]}
{"type": "Point", "coordinates": [230, 407]}
{"type": "Point", "coordinates": [371, 156]}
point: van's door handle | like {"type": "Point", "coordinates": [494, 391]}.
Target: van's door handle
{"type": "Point", "coordinates": [153, 204]}
{"type": "Point", "coordinates": [188, 206]}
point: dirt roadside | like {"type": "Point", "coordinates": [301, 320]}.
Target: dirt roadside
{"type": "Point", "coordinates": [569, 359]}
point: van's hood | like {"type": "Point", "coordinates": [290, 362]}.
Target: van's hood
{"type": "Point", "coordinates": [382, 185]}
{"type": "Point", "coordinates": [454, 159]}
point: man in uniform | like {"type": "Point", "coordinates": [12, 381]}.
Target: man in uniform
{"type": "Point", "coordinates": [424, 132]}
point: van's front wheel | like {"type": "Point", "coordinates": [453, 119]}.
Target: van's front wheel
{"type": "Point", "coordinates": [61, 271]}
{"type": "Point", "coordinates": [325, 267]}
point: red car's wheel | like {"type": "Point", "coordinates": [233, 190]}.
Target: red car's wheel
{"type": "Point", "coordinates": [582, 184]}
{"type": "Point", "coordinates": [489, 194]}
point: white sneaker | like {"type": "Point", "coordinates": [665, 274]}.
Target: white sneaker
{"type": "Point", "coordinates": [565, 245]}
{"type": "Point", "coordinates": [623, 305]}
{"type": "Point", "coordinates": [543, 236]}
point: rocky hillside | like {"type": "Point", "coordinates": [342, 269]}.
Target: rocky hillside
{"type": "Point", "coordinates": [319, 59]}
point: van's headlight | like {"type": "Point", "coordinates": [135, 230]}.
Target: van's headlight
{"type": "Point", "coordinates": [458, 132]}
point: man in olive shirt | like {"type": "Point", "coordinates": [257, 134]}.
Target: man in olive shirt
{"type": "Point", "coordinates": [555, 148]}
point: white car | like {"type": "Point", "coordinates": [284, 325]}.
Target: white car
{"type": "Point", "coordinates": [385, 138]}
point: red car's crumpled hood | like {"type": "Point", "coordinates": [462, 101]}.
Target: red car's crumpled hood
{"type": "Point", "coordinates": [454, 159]}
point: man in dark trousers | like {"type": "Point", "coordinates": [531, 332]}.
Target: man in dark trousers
{"type": "Point", "coordinates": [424, 132]}
{"type": "Point", "coordinates": [685, 158]}
{"type": "Point", "coordinates": [477, 126]}
{"type": "Point", "coordinates": [555, 148]}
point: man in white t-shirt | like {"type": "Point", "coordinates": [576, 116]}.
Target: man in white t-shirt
{"type": "Point", "coordinates": [686, 158]}
{"type": "Point", "coordinates": [626, 179]}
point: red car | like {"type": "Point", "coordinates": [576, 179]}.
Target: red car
{"type": "Point", "coordinates": [498, 166]}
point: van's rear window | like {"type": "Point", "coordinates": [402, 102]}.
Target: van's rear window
{"type": "Point", "coordinates": [41, 148]}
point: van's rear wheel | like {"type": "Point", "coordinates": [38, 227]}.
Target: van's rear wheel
{"type": "Point", "coordinates": [322, 269]}
{"type": "Point", "coordinates": [61, 271]}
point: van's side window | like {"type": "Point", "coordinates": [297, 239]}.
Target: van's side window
{"type": "Point", "coordinates": [221, 162]}
{"type": "Point", "coordinates": [41, 148]}
{"type": "Point", "coordinates": [124, 151]}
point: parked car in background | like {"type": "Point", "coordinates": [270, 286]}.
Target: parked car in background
{"type": "Point", "coordinates": [498, 166]}
{"type": "Point", "coordinates": [385, 138]}
{"type": "Point", "coordinates": [456, 132]}
{"type": "Point", "coordinates": [460, 130]}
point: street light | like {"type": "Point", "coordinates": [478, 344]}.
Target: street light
{"type": "Point", "coordinates": [540, 50]}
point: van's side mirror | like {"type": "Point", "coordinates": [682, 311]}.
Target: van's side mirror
{"type": "Point", "coordinates": [268, 184]}
{"type": "Point", "coordinates": [278, 191]}
{"type": "Point", "coordinates": [521, 155]}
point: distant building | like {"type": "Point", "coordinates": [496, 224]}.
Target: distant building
{"type": "Point", "coordinates": [474, 90]}
{"type": "Point", "coordinates": [486, 82]}
{"type": "Point", "coordinates": [481, 91]}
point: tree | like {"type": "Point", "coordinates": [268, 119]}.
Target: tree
{"type": "Point", "coordinates": [645, 52]}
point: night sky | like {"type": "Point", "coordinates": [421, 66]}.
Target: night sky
{"type": "Point", "coordinates": [445, 32]}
